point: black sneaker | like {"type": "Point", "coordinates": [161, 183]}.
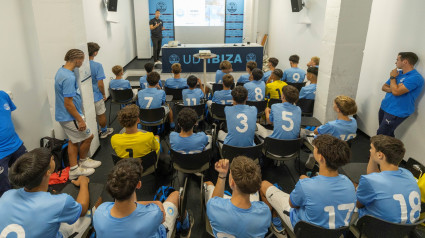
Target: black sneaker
{"type": "Point", "coordinates": [186, 232]}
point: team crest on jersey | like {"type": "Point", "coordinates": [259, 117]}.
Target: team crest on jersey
{"type": "Point", "coordinates": [161, 7]}
{"type": "Point", "coordinates": [6, 107]}
{"type": "Point", "coordinates": [174, 59]}
{"type": "Point", "coordinates": [170, 211]}
{"type": "Point", "coordinates": [251, 57]}
{"type": "Point", "coordinates": [401, 80]}
{"type": "Point", "coordinates": [232, 7]}
{"type": "Point", "coordinates": [1, 169]}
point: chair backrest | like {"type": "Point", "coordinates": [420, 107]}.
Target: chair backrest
{"type": "Point", "coordinates": [152, 115]}
{"type": "Point", "coordinates": [370, 226]}
{"type": "Point", "coordinates": [191, 162]}
{"type": "Point", "coordinates": [121, 96]}
{"type": "Point", "coordinates": [217, 111]}
{"type": "Point", "coordinates": [305, 230]}
{"type": "Point", "coordinates": [306, 105]}
{"type": "Point", "coordinates": [199, 109]}
{"type": "Point", "coordinates": [219, 86]}
{"type": "Point", "coordinates": [273, 101]}
{"type": "Point", "coordinates": [239, 84]}
{"type": "Point", "coordinates": [297, 85]}
{"type": "Point", "coordinates": [282, 147]}
{"type": "Point", "coordinates": [230, 152]}
{"type": "Point", "coordinates": [147, 160]}
{"type": "Point", "coordinates": [177, 93]}
{"type": "Point", "coordinates": [260, 105]}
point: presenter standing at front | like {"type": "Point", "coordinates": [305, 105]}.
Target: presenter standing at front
{"type": "Point", "coordinates": [156, 25]}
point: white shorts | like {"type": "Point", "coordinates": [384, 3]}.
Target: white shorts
{"type": "Point", "coordinates": [263, 132]}
{"type": "Point", "coordinates": [171, 213]}
{"type": "Point", "coordinates": [100, 107]}
{"type": "Point", "coordinates": [221, 137]}
{"type": "Point", "coordinates": [166, 109]}
{"type": "Point", "coordinates": [280, 202]}
{"type": "Point", "coordinates": [209, 189]}
{"type": "Point", "coordinates": [72, 132]}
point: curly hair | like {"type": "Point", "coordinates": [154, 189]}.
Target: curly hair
{"type": "Point", "coordinates": [124, 177]}
{"type": "Point", "coordinates": [346, 105]}
{"type": "Point", "coordinates": [93, 48]}
{"type": "Point", "coordinates": [335, 151]}
{"type": "Point", "coordinates": [239, 94]}
{"type": "Point", "coordinates": [187, 119]}
{"type": "Point", "coordinates": [74, 54]}
{"type": "Point", "coordinates": [128, 115]}
{"type": "Point", "coordinates": [246, 174]}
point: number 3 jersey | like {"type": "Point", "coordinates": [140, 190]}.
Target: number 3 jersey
{"type": "Point", "coordinates": [324, 201]}
{"type": "Point", "coordinates": [241, 125]}
{"type": "Point", "coordinates": [393, 196]}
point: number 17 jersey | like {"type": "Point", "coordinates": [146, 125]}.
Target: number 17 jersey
{"type": "Point", "coordinates": [241, 125]}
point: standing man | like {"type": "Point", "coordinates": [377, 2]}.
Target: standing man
{"type": "Point", "coordinates": [402, 90]}
{"type": "Point", "coordinates": [156, 25]}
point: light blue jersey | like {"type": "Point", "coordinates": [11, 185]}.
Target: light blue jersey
{"type": "Point", "coordinates": [176, 83]}
{"type": "Point", "coordinates": [241, 124]}
{"type": "Point", "coordinates": [9, 140]}
{"type": "Point", "coordinates": [188, 145]}
{"type": "Point", "coordinates": [96, 75]}
{"type": "Point", "coordinates": [266, 75]}
{"type": "Point", "coordinates": [151, 98]}
{"type": "Point", "coordinates": [404, 105]}
{"type": "Point", "coordinates": [219, 76]}
{"type": "Point", "coordinates": [393, 196]}
{"type": "Point", "coordinates": [344, 130]}
{"type": "Point", "coordinates": [244, 78]}
{"type": "Point", "coordinates": [293, 75]}
{"type": "Point", "coordinates": [308, 92]}
{"type": "Point", "coordinates": [120, 84]}
{"type": "Point", "coordinates": [192, 97]}
{"type": "Point", "coordinates": [227, 219]}
{"type": "Point", "coordinates": [66, 86]}
{"type": "Point", "coordinates": [223, 97]}
{"type": "Point", "coordinates": [145, 221]}
{"type": "Point", "coordinates": [37, 214]}
{"type": "Point", "coordinates": [328, 202]}
{"type": "Point", "coordinates": [256, 90]}
{"type": "Point", "coordinates": [144, 82]}
{"type": "Point", "coordinates": [286, 120]}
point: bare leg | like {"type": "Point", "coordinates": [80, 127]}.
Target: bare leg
{"type": "Point", "coordinates": [102, 120]}
{"type": "Point", "coordinates": [72, 153]}
{"type": "Point", "coordinates": [85, 146]}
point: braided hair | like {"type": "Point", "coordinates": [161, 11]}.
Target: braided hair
{"type": "Point", "coordinates": [74, 54]}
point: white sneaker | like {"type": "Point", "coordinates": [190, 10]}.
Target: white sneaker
{"type": "Point", "coordinates": [74, 174]}
{"type": "Point", "coordinates": [90, 163]}
{"type": "Point", "coordinates": [158, 62]}
{"type": "Point", "coordinates": [106, 133]}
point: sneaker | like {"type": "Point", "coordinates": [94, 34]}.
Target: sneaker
{"type": "Point", "coordinates": [186, 233]}
{"type": "Point", "coordinates": [106, 133]}
{"type": "Point", "coordinates": [90, 163]}
{"type": "Point", "coordinates": [74, 174]}
{"type": "Point", "coordinates": [276, 228]}
{"type": "Point", "coordinates": [158, 62]}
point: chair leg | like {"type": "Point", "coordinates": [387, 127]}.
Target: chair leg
{"type": "Point", "coordinates": [202, 199]}
{"type": "Point", "coordinates": [110, 106]}
{"type": "Point", "coordinates": [292, 177]}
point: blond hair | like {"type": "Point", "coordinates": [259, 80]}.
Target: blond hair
{"type": "Point", "coordinates": [117, 69]}
{"type": "Point", "coordinates": [176, 68]}
{"type": "Point", "coordinates": [225, 64]}
{"type": "Point", "coordinates": [346, 105]}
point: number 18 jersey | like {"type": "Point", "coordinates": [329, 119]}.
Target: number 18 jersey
{"type": "Point", "coordinates": [241, 125]}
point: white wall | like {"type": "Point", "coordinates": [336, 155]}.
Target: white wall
{"type": "Point", "coordinates": [387, 36]}
{"type": "Point", "coordinates": [287, 36]}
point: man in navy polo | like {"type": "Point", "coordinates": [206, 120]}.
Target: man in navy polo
{"type": "Point", "coordinates": [402, 90]}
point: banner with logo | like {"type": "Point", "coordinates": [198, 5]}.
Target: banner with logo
{"type": "Point", "coordinates": [167, 16]}
{"type": "Point", "coordinates": [234, 21]}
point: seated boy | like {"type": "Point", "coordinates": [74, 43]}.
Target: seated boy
{"type": "Point", "coordinates": [271, 63]}
{"type": "Point", "coordinates": [152, 97]}
{"type": "Point", "coordinates": [143, 82]}
{"type": "Point", "coordinates": [225, 68]}
{"type": "Point", "coordinates": [275, 84]}
{"type": "Point", "coordinates": [133, 143]}
{"type": "Point", "coordinates": [31, 211]}
{"type": "Point", "coordinates": [326, 200]}
{"type": "Point", "coordinates": [224, 96]}
{"type": "Point", "coordinates": [256, 88]}
{"type": "Point", "coordinates": [314, 62]}
{"type": "Point", "coordinates": [294, 74]}
{"type": "Point", "coordinates": [127, 217]}
{"type": "Point", "coordinates": [176, 81]}
{"type": "Point", "coordinates": [187, 142]}
{"type": "Point", "coordinates": [285, 117]}
{"type": "Point", "coordinates": [192, 96]}
{"type": "Point", "coordinates": [309, 91]}
{"type": "Point", "coordinates": [250, 65]}
{"type": "Point", "coordinates": [241, 121]}
{"type": "Point", "coordinates": [119, 83]}
{"type": "Point", "coordinates": [387, 191]}
{"type": "Point", "coordinates": [240, 215]}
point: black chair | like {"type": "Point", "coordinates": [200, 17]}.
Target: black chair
{"type": "Point", "coordinates": [176, 93]}
{"type": "Point", "coordinates": [230, 152]}
{"type": "Point", "coordinates": [217, 111]}
{"type": "Point", "coordinates": [152, 117]}
{"type": "Point", "coordinates": [305, 230]}
{"type": "Point", "coordinates": [239, 84]}
{"type": "Point", "coordinates": [219, 86]}
{"type": "Point", "coordinates": [373, 227]}
{"type": "Point", "coordinates": [307, 106]}
{"type": "Point", "coordinates": [119, 97]}
{"type": "Point", "coordinates": [260, 105]}
{"type": "Point", "coordinates": [199, 109]}
{"type": "Point", "coordinates": [297, 85]}
{"type": "Point", "coordinates": [149, 162]}
{"type": "Point", "coordinates": [273, 101]}
{"type": "Point", "coordinates": [283, 150]}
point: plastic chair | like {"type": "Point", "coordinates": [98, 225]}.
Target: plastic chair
{"type": "Point", "coordinates": [305, 230]}
{"type": "Point", "coordinates": [176, 93]}
{"type": "Point", "coordinates": [307, 106]}
{"type": "Point", "coordinates": [152, 117]}
{"type": "Point", "coordinates": [239, 84]}
{"type": "Point", "coordinates": [199, 109]}
{"type": "Point", "coordinates": [297, 85]}
{"type": "Point", "coordinates": [219, 86]}
{"type": "Point", "coordinates": [149, 162]}
{"type": "Point", "coordinates": [217, 111]}
{"type": "Point", "coordinates": [119, 97]}
{"type": "Point", "coordinates": [260, 105]}
{"type": "Point", "coordinates": [230, 152]}
{"type": "Point", "coordinates": [273, 101]}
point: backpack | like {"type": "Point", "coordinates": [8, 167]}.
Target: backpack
{"type": "Point", "coordinates": [59, 150]}
{"type": "Point", "coordinates": [163, 193]}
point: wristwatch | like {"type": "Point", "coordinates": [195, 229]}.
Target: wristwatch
{"type": "Point", "coordinates": [392, 77]}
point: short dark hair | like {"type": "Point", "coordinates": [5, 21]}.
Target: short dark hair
{"type": "Point", "coordinates": [92, 48]}
{"type": "Point", "coordinates": [273, 61]}
{"type": "Point", "coordinates": [29, 169]}
{"type": "Point", "coordinates": [124, 177]}
{"type": "Point", "coordinates": [192, 80]}
{"type": "Point", "coordinates": [411, 57]}
{"type": "Point", "coordinates": [335, 151]}
{"type": "Point", "coordinates": [278, 73]}
{"type": "Point", "coordinates": [257, 74]}
{"type": "Point", "coordinates": [187, 119]}
{"type": "Point", "coordinates": [313, 70]}
{"type": "Point", "coordinates": [176, 68]}
{"type": "Point", "coordinates": [153, 78]}
{"type": "Point", "coordinates": [228, 80]}
{"type": "Point", "coordinates": [392, 148]}
{"type": "Point", "coordinates": [246, 174]}
{"type": "Point", "coordinates": [128, 115]}
{"type": "Point", "coordinates": [294, 59]}
{"type": "Point", "coordinates": [149, 67]}
{"type": "Point", "coordinates": [251, 65]}
{"type": "Point", "coordinates": [291, 93]}
{"type": "Point", "coordinates": [157, 10]}
{"type": "Point", "coordinates": [239, 94]}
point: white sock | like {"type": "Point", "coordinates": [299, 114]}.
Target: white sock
{"type": "Point", "coordinates": [74, 167]}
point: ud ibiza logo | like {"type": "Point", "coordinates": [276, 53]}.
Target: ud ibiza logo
{"type": "Point", "coordinates": [251, 57]}
{"type": "Point", "coordinates": [161, 7]}
{"type": "Point", "coordinates": [6, 107]}
{"type": "Point", "coordinates": [232, 7]}
{"type": "Point", "coordinates": [174, 59]}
